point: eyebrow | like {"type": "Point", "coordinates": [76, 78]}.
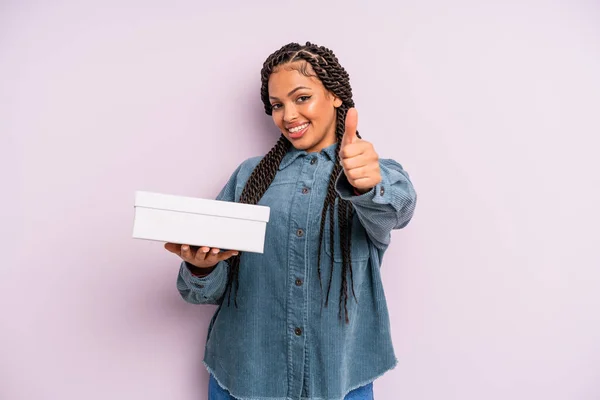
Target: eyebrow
{"type": "Point", "coordinates": [292, 92]}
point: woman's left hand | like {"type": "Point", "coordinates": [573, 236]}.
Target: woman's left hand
{"type": "Point", "coordinates": [358, 157]}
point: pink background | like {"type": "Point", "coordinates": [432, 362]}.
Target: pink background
{"type": "Point", "coordinates": [493, 109]}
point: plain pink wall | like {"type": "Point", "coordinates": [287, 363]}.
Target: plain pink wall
{"type": "Point", "coordinates": [493, 109]}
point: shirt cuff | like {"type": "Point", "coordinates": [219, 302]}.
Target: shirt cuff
{"type": "Point", "coordinates": [379, 194]}
{"type": "Point", "coordinates": [201, 281]}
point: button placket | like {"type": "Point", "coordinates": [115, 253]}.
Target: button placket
{"type": "Point", "coordinates": [301, 209]}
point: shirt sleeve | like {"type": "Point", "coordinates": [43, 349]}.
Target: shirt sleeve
{"type": "Point", "coordinates": [205, 290]}
{"type": "Point", "coordinates": [210, 288]}
{"type": "Point", "coordinates": [389, 205]}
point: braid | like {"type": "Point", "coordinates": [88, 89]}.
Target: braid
{"type": "Point", "coordinates": [264, 173]}
{"type": "Point", "coordinates": [336, 80]}
{"type": "Point", "coordinates": [257, 184]}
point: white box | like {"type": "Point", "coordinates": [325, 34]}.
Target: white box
{"type": "Point", "coordinates": [200, 222]}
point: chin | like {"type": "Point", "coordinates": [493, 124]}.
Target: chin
{"type": "Point", "coordinates": [303, 145]}
{"type": "Point", "coordinates": [300, 144]}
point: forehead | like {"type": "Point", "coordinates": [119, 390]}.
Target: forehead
{"type": "Point", "coordinates": [289, 76]}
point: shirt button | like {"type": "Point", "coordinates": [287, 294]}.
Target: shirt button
{"type": "Point", "coordinates": [381, 191]}
{"type": "Point", "coordinates": [298, 331]}
{"type": "Point", "coordinates": [305, 191]}
{"type": "Point", "coordinates": [313, 161]}
{"type": "Point", "coordinates": [298, 282]}
{"type": "Point", "coordinates": [299, 233]}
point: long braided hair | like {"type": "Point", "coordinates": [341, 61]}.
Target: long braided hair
{"type": "Point", "coordinates": [336, 80]}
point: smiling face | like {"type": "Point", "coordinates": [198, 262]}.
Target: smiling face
{"type": "Point", "coordinates": [303, 110]}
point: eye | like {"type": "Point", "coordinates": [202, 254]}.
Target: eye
{"type": "Point", "coordinates": [275, 106]}
{"type": "Point", "coordinates": [302, 99]}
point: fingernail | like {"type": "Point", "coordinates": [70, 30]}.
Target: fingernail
{"type": "Point", "coordinates": [215, 251]}
{"type": "Point", "coordinates": [235, 253]}
{"type": "Point", "coordinates": [184, 248]}
{"type": "Point", "coordinates": [205, 250]}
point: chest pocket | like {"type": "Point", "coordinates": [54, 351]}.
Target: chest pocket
{"type": "Point", "coordinates": [359, 244]}
{"type": "Point", "coordinates": [272, 190]}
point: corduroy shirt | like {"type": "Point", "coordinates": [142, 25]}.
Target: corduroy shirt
{"type": "Point", "coordinates": [281, 343]}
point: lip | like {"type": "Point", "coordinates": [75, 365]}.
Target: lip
{"type": "Point", "coordinates": [295, 124]}
{"type": "Point", "coordinates": [298, 135]}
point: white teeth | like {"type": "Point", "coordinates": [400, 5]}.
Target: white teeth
{"type": "Point", "coordinates": [298, 128]}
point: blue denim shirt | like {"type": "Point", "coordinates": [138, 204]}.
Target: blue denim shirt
{"type": "Point", "coordinates": [279, 343]}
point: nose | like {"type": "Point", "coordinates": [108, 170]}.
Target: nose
{"type": "Point", "coordinates": [290, 113]}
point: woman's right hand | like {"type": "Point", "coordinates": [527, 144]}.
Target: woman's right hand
{"type": "Point", "coordinates": [201, 257]}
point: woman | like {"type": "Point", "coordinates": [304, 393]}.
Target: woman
{"type": "Point", "coordinates": [333, 203]}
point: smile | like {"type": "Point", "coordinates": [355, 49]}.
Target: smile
{"type": "Point", "coordinates": [298, 131]}
{"type": "Point", "coordinates": [298, 128]}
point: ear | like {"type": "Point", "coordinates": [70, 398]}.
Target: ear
{"type": "Point", "coordinates": [337, 101]}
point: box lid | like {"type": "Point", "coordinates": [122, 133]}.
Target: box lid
{"type": "Point", "coordinates": [202, 206]}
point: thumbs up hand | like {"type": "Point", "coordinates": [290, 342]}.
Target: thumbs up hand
{"type": "Point", "coordinates": [358, 157]}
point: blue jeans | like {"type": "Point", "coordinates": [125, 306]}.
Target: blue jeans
{"type": "Point", "coordinates": [216, 392]}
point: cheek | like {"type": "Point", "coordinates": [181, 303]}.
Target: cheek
{"type": "Point", "coordinates": [318, 111]}
{"type": "Point", "coordinates": [312, 109]}
{"type": "Point", "coordinates": [277, 120]}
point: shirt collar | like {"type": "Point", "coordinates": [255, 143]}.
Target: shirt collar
{"type": "Point", "coordinates": [294, 153]}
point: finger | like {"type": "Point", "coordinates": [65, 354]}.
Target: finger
{"type": "Point", "coordinates": [357, 173]}
{"type": "Point", "coordinates": [354, 149]}
{"type": "Point", "coordinates": [201, 253]}
{"type": "Point", "coordinates": [350, 150]}
{"type": "Point", "coordinates": [363, 183]}
{"type": "Point", "coordinates": [213, 255]}
{"type": "Point", "coordinates": [350, 128]}
{"type": "Point", "coordinates": [186, 253]}
{"type": "Point", "coordinates": [354, 162]}
{"type": "Point", "coordinates": [227, 254]}
{"type": "Point", "coordinates": [173, 248]}
{"type": "Point", "coordinates": [364, 178]}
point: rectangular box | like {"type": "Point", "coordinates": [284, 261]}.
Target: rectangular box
{"type": "Point", "coordinates": [200, 222]}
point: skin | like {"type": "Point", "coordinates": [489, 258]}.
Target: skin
{"type": "Point", "coordinates": [202, 257]}
{"type": "Point", "coordinates": [298, 99]}
{"type": "Point", "coordinates": [358, 157]}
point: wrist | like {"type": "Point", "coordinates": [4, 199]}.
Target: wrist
{"type": "Point", "coordinates": [359, 192]}
{"type": "Point", "coordinates": [198, 271]}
